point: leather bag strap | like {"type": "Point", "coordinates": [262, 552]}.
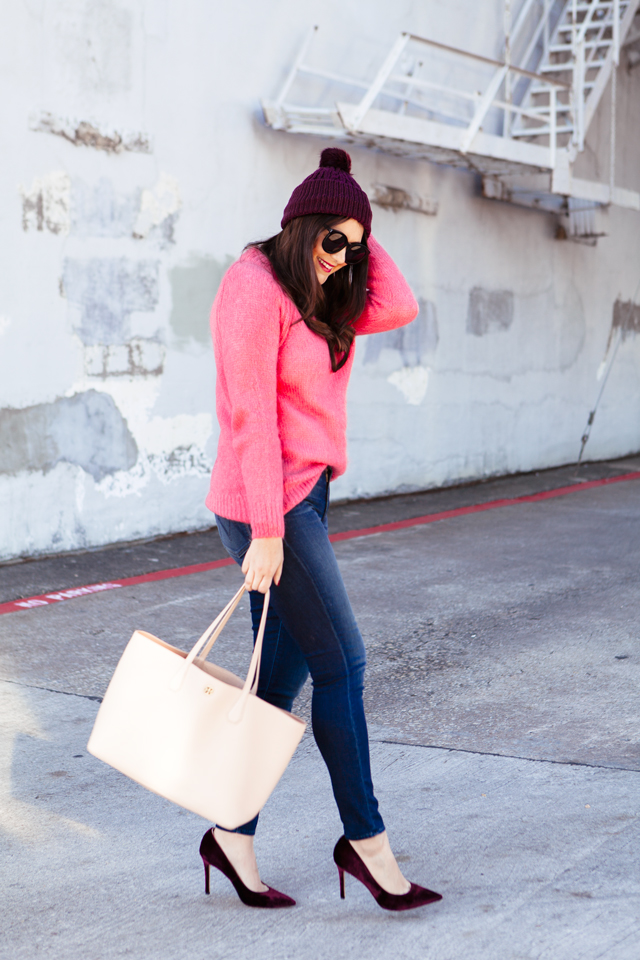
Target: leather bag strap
{"type": "Point", "coordinates": [251, 683]}
{"type": "Point", "coordinates": [220, 621]}
{"type": "Point", "coordinates": [202, 647]}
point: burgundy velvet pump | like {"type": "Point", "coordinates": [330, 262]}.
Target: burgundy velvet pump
{"type": "Point", "coordinates": [348, 861]}
{"type": "Point", "coordinates": [214, 856]}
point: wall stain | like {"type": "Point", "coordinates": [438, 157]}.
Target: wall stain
{"type": "Point", "coordinates": [626, 318]}
{"type": "Point", "coordinates": [395, 198]}
{"type": "Point", "coordinates": [413, 342]}
{"type": "Point", "coordinates": [87, 430]}
{"type": "Point", "coordinates": [489, 310]}
{"type": "Point", "coordinates": [107, 291]}
{"type": "Point", "coordinates": [193, 287]}
{"type": "Point", "coordinates": [97, 211]}
{"type": "Point", "coordinates": [84, 134]}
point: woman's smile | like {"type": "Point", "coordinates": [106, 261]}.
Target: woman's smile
{"type": "Point", "coordinates": [326, 266]}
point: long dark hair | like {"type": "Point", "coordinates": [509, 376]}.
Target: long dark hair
{"type": "Point", "coordinates": [330, 309]}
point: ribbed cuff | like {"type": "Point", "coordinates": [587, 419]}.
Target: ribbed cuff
{"type": "Point", "coordinates": [267, 528]}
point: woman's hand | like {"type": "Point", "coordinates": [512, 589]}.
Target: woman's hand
{"type": "Point", "coordinates": [263, 563]}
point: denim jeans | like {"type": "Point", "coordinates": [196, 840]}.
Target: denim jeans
{"type": "Point", "coordinates": [311, 629]}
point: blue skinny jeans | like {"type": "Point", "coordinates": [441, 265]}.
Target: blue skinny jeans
{"type": "Point", "coordinates": [311, 629]}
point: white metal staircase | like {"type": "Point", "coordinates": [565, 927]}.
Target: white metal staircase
{"type": "Point", "coordinates": [581, 51]}
{"type": "Point", "coordinates": [520, 122]}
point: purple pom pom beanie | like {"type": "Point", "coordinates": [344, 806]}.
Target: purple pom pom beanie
{"type": "Point", "coordinates": [332, 190]}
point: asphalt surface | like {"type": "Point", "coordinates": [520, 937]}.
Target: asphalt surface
{"type": "Point", "coordinates": [502, 698]}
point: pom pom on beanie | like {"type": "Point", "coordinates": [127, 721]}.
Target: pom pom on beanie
{"type": "Point", "coordinates": [334, 157]}
{"type": "Point", "coordinates": [332, 190]}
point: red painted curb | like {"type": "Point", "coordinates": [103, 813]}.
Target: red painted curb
{"type": "Point", "coordinates": [57, 596]}
{"type": "Point", "coordinates": [479, 507]}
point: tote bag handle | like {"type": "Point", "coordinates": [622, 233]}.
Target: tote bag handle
{"type": "Point", "coordinates": [210, 636]}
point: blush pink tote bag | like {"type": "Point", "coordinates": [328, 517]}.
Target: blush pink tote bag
{"type": "Point", "coordinates": [193, 732]}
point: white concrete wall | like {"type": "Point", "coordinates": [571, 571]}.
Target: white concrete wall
{"type": "Point", "coordinates": [135, 168]}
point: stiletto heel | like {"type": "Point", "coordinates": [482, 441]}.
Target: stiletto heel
{"type": "Point", "coordinates": [214, 856]}
{"type": "Point", "coordinates": [347, 860]}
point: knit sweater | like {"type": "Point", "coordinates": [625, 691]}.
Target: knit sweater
{"type": "Point", "coordinates": [281, 409]}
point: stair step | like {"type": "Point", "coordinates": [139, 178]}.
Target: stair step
{"type": "Point", "coordinates": [589, 45]}
{"type": "Point", "coordinates": [543, 111]}
{"type": "Point", "coordinates": [566, 67]}
{"type": "Point", "coordinates": [541, 132]}
{"type": "Point", "coordinates": [538, 90]}
{"type": "Point", "coordinates": [555, 67]}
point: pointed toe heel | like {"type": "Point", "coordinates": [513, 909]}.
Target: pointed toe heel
{"type": "Point", "coordinates": [347, 861]}
{"type": "Point", "coordinates": [214, 856]}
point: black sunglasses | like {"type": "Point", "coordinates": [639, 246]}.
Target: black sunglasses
{"type": "Point", "coordinates": [335, 241]}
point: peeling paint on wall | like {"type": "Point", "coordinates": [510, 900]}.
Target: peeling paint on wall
{"type": "Point", "coordinates": [158, 209]}
{"type": "Point", "coordinates": [413, 342]}
{"type": "Point", "coordinates": [170, 448]}
{"type": "Point", "coordinates": [489, 310]}
{"type": "Point", "coordinates": [181, 462]}
{"type": "Point", "coordinates": [395, 198]}
{"type": "Point", "coordinates": [412, 382]}
{"type": "Point", "coordinates": [193, 289]}
{"type": "Point", "coordinates": [84, 134]}
{"type": "Point", "coordinates": [107, 292]}
{"type": "Point", "coordinates": [97, 211]}
{"type": "Point", "coordinates": [626, 318]}
{"type": "Point", "coordinates": [46, 205]}
{"type": "Point", "coordinates": [175, 446]}
{"type": "Point", "coordinates": [86, 429]}
{"type": "Point", "coordinates": [138, 357]}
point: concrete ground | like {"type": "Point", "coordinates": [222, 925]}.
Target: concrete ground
{"type": "Point", "coordinates": [502, 699]}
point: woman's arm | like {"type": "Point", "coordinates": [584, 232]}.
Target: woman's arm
{"type": "Point", "coordinates": [390, 302]}
{"type": "Point", "coordinates": [247, 338]}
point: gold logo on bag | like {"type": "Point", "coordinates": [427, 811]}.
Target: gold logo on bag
{"type": "Point", "coordinates": [208, 690]}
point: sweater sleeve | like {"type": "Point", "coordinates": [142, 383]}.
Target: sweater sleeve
{"type": "Point", "coordinates": [390, 302]}
{"type": "Point", "coordinates": [247, 342]}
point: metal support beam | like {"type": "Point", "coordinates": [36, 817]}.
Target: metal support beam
{"type": "Point", "coordinates": [383, 74]}
{"type": "Point", "coordinates": [297, 63]}
{"type": "Point", "coordinates": [483, 106]}
{"type": "Point", "coordinates": [552, 127]}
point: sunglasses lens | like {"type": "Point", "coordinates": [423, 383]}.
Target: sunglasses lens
{"type": "Point", "coordinates": [334, 242]}
{"type": "Point", "coordinates": [356, 252]}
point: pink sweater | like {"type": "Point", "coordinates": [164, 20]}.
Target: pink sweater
{"type": "Point", "coordinates": [281, 409]}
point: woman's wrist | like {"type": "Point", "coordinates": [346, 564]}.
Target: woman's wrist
{"type": "Point", "coordinates": [263, 562]}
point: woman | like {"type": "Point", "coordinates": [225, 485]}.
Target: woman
{"type": "Point", "coordinates": [283, 325]}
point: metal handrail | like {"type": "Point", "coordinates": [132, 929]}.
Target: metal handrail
{"type": "Point", "coordinates": [485, 103]}
{"type": "Point", "coordinates": [495, 63]}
